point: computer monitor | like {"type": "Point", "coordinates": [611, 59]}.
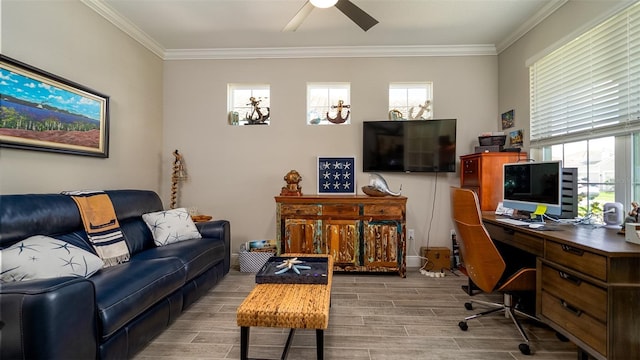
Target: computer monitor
{"type": "Point", "coordinates": [528, 185]}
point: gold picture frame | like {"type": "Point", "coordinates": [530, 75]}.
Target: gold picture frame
{"type": "Point", "coordinates": [43, 112]}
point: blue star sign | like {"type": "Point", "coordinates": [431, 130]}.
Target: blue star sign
{"type": "Point", "coordinates": [336, 175]}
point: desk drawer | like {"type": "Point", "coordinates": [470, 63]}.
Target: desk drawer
{"type": "Point", "coordinates": [531, 244]}
{"type": "Point", "coordinates": [575, 258]}
{"type": "Point", "coordinates": [576, 291]}
{"type": "Point", "coordinates": [574, 321]}
{"type": "Point", "coordinates": [290, 209]}
{"type": "Point", "coordinates": [340, 209]}
{"type": "Point", "coordinates": [384, 210]}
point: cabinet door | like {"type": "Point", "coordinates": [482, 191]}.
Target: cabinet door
{"type": "Point", "coordinates": [341, 241]}
{"type": "Point", "coordinates": [470, 172]}
{"type": "Point", "coordinates": [382, 244]}
{"type": "Point", "coordinates": [301, 236]}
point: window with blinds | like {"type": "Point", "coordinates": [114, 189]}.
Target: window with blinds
{"type": "Point", "coordinates": [590, 87]}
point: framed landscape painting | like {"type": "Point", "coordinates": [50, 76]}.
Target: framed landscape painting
{"type": "Point", "coordinates": [44, 112]}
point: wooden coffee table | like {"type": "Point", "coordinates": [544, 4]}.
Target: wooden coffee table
{"type": "Point", "coordinates": [292, 306]}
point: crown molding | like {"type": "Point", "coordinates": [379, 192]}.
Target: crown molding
{"type": "Point", "coordinates": [531, 23]}
{"type": "Point", "coordinates": [329, 52]}
{"type": "Point", "coordinates": [125, 25]}
{"type": "Point", "coordinates": [148, 42]}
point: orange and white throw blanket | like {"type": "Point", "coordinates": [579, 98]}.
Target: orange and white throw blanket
{"type": "Point", "coordinates": [101, 224]}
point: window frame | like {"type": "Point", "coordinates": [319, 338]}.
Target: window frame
{"type": "Point", "coordinates": [626, 128]}
{"type": "Point", "coordinates": [405, 107]}
{"type": "Point", "coordinates": [317, 114]}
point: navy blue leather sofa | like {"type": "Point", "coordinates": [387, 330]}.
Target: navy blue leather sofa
{"type": "Point", "coordinates": [114, 313]}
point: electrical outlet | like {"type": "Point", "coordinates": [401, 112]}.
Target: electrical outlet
{"type": "Point", "coordinates": [411, 234]}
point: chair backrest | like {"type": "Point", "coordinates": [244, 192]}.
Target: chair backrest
{"type": "Point", "coordinates": [481, 258]}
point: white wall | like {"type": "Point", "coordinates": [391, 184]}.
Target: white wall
{"type": "Point", "coordinates": [563, 25]}
{"type": "Point", "coordinates": [236, 171]}
{"type": "Point", "coordinates": [68, 39]}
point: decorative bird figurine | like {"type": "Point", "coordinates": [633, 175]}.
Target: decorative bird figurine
{"type": "Point", "coordinates": [378, 187]}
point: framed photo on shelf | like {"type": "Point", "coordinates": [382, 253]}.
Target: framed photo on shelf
{"type": "Point", "coordinates": [336, 175]}
{"type": "Point", "coordinates": [44, 112]}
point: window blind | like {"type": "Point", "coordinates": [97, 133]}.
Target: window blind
{"type": "Point", "coordinates": [590, 87]}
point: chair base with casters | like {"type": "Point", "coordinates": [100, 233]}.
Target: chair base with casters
{"type": "Point", "coordinates": [485, 265]}
{"type": "Point", "coordinates": [506, 307]}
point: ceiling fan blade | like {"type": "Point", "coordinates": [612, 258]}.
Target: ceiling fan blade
{"type": "Point", "coordinates": [357, 15]}
{"type": "Point", "coordinates": [299, 17]}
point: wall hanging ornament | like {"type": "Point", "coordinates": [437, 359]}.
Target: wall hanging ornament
{"type": "Point", "coordinates": [420, 115]}
{"type": "Point", "coordinates": [257, 116]}
{"type": "Point", "coordinates": [336, 175]}
{"type": "Point", "coordinates": [178, 175]}
{"type": "Point", "coordinates": [339, 119]}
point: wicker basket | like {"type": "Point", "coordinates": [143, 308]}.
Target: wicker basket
{"type": "Point", "coordinates": [252, 261]}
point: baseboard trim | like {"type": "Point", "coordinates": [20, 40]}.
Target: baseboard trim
{"type": "Point", "coordinates": [414, 261]}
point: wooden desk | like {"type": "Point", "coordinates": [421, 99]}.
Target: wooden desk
{"type": "Point", "coordinates": [588, 284]}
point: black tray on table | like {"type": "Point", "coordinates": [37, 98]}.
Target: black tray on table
{"type": "Point", "coordinates": [316, 275]}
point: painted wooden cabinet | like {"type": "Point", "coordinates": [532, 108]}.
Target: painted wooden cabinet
{"type": "Point", "coordinates": [482, 173]}
{"type": "Point", "coordinates": [362, 233]}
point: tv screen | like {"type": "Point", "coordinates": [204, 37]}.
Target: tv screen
{"type": "Point", "coordinates": [529, 184]}
{"type": "Point", "coordinates": [409, 146]}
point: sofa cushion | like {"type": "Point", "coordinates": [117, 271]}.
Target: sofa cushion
{"type": "Point", "coordinates": [127, 290]}
{"type": "Point", "coordinates": [171, 226]}
{"type": "Point", "coordinates": [197, 255]}
{"type": "Point", "coordinates": [43, 257]}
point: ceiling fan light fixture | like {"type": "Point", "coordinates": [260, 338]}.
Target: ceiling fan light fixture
{"type": "Point", "coordinates": [323, 3]}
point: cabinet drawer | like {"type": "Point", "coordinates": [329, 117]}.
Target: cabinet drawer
{"type": "Point", "coordinates": [499, 233]}
{"type": "Point", "coordinates": [583, 261]}
{"type": "Point", "coordinates": [340, 209]}
{"type": "Point", "coordinates": [528, 243]}
{"type": "Point", "coordinates": [291, 209]}
{"type": "Point", "coordinates": [385, 210]}
{"type": "Point", "coordinates": [576, 291]}
{"type": "Point", "coordinates": [574, 321]}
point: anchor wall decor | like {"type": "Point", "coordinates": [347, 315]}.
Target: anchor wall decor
{"type": "Point", "coordinates": [339, 119]}
{"type": "Point", "coordinates": [256, 116]}
{"type": "Point", "coordinates": [423, 108]}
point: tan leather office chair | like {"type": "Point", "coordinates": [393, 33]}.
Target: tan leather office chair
{"type": "Point", "coordinates": [484, 264]}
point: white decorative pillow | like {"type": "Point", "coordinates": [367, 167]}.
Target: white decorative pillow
{"type": "Point", "coordinates": [43, 257]}
{"type": "Point", "coordinates": [171, 226]}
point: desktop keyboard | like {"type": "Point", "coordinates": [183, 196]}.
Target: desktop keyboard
{"type": "Point", "coordinates": [513, 221]}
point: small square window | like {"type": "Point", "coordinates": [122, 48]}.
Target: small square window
{"type": "Point", "coordinates": [411, 101]}
{"type": "Point", "coordinates": [248, 104]}
{"type": "Point", "coordinates": [328, 103]}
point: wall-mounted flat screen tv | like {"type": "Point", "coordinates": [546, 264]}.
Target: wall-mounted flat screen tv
{"type": "Point", "coordinates": [409, 146]}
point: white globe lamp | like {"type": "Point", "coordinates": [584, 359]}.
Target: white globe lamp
{"type": "Point", "coordinates": [323, 3]}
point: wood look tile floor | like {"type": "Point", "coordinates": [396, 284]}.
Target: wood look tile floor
{"type": "Point", "coordinates": [372, 317]}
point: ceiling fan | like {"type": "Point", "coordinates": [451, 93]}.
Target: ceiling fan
{"type": "Point", "coordinates": [352, 11]}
